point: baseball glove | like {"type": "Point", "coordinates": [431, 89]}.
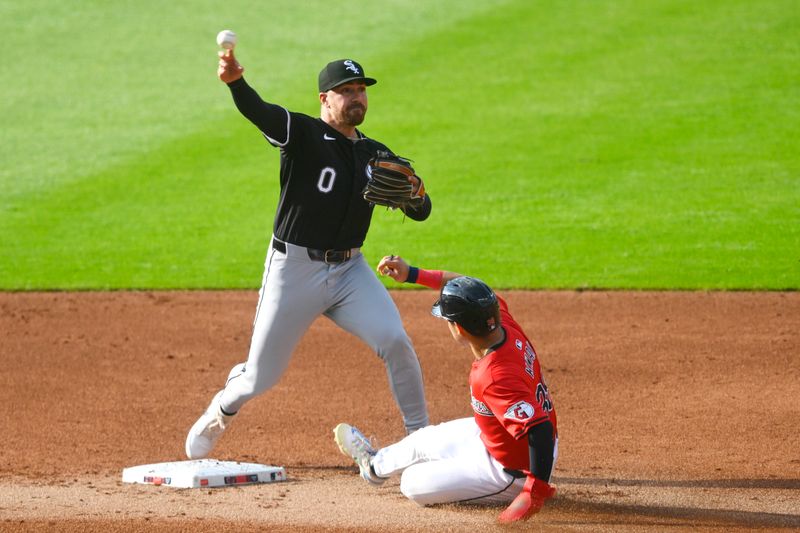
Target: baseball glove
{"type": "Point", "coordinates": [388, 183]}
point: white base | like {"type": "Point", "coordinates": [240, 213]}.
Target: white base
{"type": "Point", "coordinates": [203, 473]}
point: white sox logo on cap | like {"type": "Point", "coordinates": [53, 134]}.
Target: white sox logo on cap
{"type": "Point", "coordinates": [342, 71]}
{"type": "Point", "coordinates": [350, 66]}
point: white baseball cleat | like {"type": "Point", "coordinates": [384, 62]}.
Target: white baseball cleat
{"type": "Point", "coordinates": [356, 446]}
{"type": "Point", "coordinates": [205, 432]}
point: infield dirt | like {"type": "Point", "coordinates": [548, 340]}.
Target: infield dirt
{"type": "Point", "coordinates": [678, 411]}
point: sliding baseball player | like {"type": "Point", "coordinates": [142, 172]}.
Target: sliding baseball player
{"type": "Point", "coordinates": [514, 418]}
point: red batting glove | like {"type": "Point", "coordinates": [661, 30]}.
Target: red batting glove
{"type": "Point", "coordinates": [529, 501]}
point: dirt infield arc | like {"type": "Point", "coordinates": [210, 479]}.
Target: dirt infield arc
{"type": "Point", "coordinates": [678, 411]}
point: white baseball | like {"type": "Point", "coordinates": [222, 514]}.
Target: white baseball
{"type": "Point", "coordinates": [226, 39]}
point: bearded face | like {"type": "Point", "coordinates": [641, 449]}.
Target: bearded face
{"type": "Point", "coordinates": [355, 113]}
{"type": "Point", "coordinates": [347, 103]}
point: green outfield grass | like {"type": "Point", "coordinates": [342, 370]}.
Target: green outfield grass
{"type": "Point", "coordinates": [583, 144]}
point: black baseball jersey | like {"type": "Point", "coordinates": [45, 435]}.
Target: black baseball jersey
{"type": "Point", "coordinates": [322, 175]}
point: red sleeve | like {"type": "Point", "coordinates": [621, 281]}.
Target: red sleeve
{"type": "Point", "coordinates": [514, 405]}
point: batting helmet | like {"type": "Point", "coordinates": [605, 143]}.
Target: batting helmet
{"type": "Point", "coordinates": [470, 303]}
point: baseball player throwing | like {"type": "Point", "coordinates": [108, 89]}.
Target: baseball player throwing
{"type": "Point", "coordinates": [314, 265]}
{"type": "Point", "coordinates": [514, 419]}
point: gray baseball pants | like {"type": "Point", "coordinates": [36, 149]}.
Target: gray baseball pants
{"type": "Point", "coordinates": [295, 290]}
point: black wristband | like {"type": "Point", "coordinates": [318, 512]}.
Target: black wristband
{"type": "Point", "coordinates": [413, 272]}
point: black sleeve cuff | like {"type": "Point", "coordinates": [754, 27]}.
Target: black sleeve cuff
{"type": "Point", "coordinates": [541, 444]}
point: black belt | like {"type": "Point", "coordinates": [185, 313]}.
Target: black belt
{"type": "Point", "coordinates": [327, 256]}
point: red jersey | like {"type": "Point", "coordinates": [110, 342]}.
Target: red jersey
{"type": "Point", "coordinates": [509, 395]}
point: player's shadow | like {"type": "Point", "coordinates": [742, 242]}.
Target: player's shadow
{"type": "Point", "coordinates": [655, 517]}
{"type": "Point", "coordinates": [692, 515]}
{"type": "Point", "coordinates": [786, 484]}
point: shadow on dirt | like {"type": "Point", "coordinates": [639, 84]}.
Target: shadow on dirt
{"type": "Point", "coordinates": [779, 484]}
{"type": "Point", "coordinates": [693, 515]}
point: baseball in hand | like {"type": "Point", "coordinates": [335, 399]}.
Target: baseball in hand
{"type": "Point", "coordinates": [226, 39]}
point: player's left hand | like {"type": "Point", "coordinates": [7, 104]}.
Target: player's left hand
{"type": "Point", "coordinates": [529, 501]}
{"type": "Point", "coordinates": [393, 266]}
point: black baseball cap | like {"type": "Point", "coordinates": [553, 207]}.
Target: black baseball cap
{"type": "Point", "coordinates": [342, 71]}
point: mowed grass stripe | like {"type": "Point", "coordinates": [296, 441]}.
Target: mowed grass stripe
{"type": "Point", "coordinates": [608, 145]}
{"type": "Point", "coordinates": [195, 209]}
{"type": "Point", "coordinates": [102, 84]}
{"type": "Point", "coordinates": [637, 152]}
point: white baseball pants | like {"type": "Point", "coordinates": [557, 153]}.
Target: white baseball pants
{"type": "Point", "coordinates": [448, 463]}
